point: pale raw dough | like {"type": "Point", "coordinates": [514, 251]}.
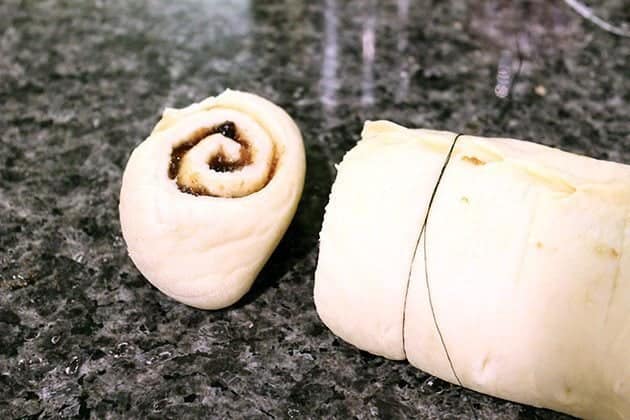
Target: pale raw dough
{"type": "Point", "coordinates": [528, 252]}
{"type": "Point", "coordinates": [206, 250]}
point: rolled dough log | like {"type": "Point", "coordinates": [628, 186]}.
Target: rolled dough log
{"type": "Point", "coordinates": [208, 195]}
{"type": "Point", "coordinates": [528, 262]}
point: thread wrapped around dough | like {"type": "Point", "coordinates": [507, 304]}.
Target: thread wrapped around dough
{"type": "Point", "coordinates": [528, 259]}
{"type": "Point", "coordinates": [208, 195]}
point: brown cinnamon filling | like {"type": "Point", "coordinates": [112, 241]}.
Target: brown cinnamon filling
{"type": "Point", "coordinates": [472, 159]}
{"type": "Point", "coordinates": [218, 162]}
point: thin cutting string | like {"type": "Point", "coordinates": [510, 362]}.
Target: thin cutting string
{"type": "Point", "coordinates": [423, 234]}
{"type": "Point", "coordinates": [415, 251]}
{"type": "Point", "coordinates": [587, 13]}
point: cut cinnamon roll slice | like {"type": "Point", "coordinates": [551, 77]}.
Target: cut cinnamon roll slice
{"type": "Point", "coordinates": [208, 195]}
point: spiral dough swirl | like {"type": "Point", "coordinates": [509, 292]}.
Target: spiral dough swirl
{"type": "Point", "coordinates": [208, 195]}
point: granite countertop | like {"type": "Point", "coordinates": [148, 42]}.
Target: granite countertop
{"type": "Point", "coordinates": [83, 334]}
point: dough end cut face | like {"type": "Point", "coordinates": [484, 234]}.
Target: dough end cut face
{"type": "Point", "coordinates": [521, 276]}
{"type": "Point", "coordinates": [206, 198]}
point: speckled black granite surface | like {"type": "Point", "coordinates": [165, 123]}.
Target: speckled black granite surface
{"type": "Point", "coordinates": [82, 334]}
